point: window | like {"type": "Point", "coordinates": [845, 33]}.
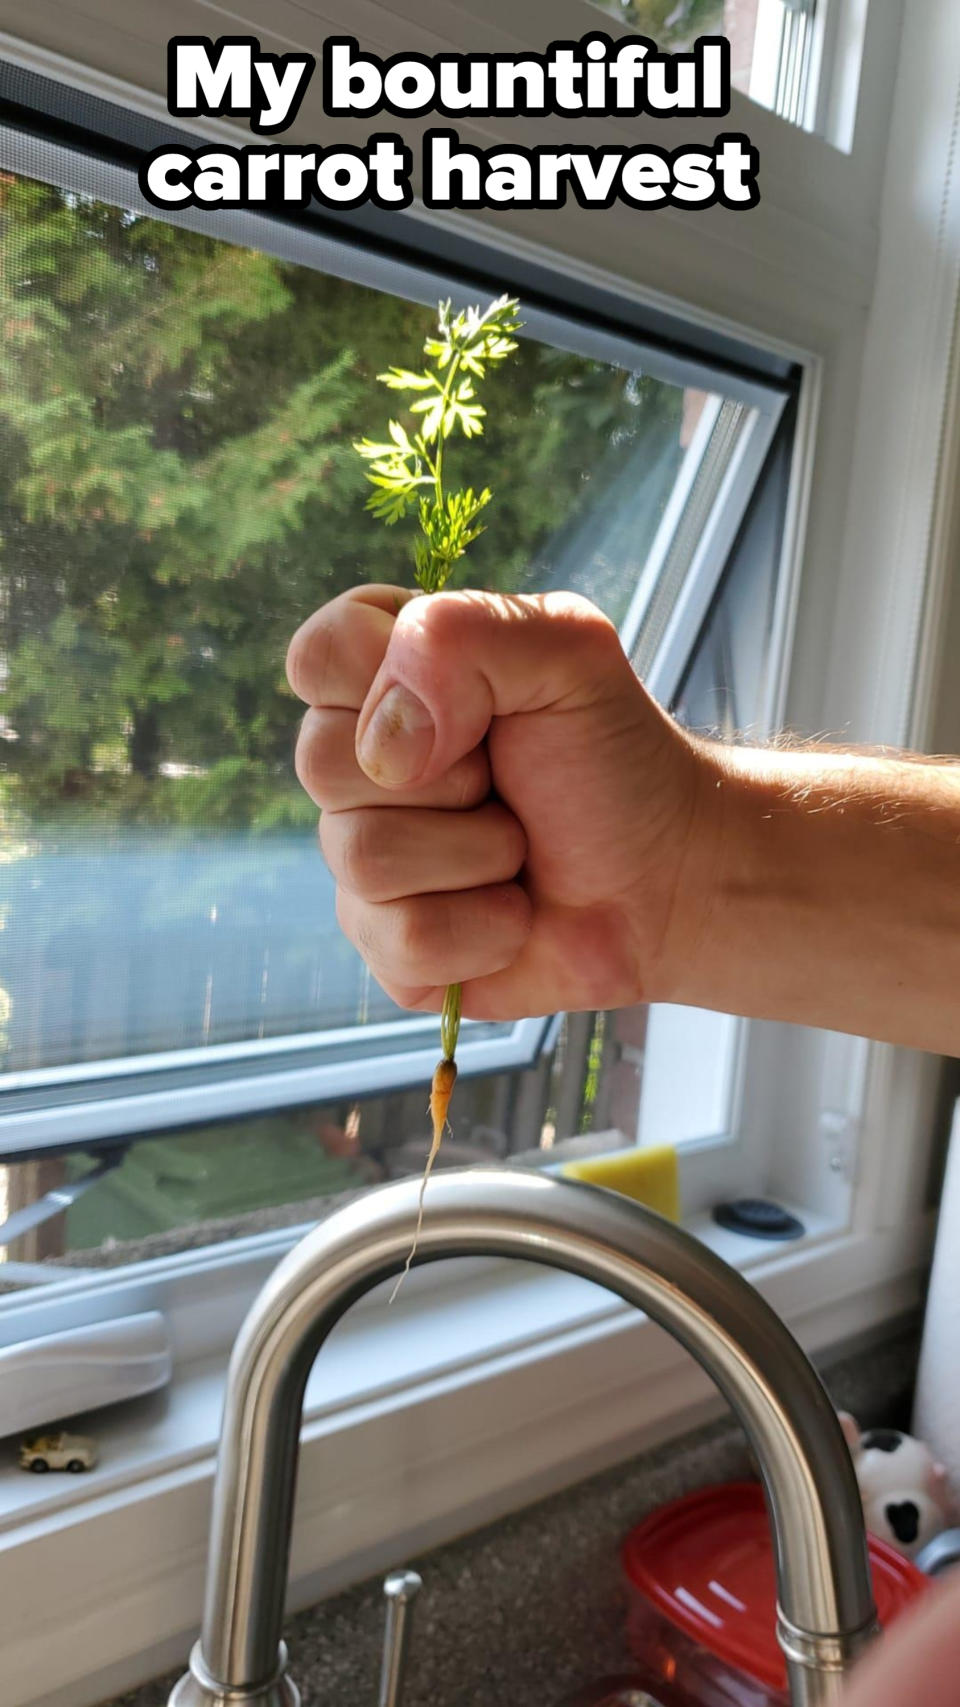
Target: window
{"type": "Point", "coordinates": [180, 490]}
{"type": "Point", "coordinates": [772, 42]}
{"type": "Point", "coordinates": [170, 987]}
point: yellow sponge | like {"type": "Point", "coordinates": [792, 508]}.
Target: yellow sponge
{"type": "Point", "coordinates": [649, 1176]}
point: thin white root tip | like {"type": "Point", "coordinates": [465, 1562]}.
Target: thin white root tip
{"type": "Point", "coordinates": [434, 1152]}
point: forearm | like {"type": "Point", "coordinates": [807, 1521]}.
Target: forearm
{"type": "Point", "coordinates": [823, 888]}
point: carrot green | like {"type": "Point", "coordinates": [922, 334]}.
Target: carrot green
{"type": "Point", "coordinates": [406, 470]}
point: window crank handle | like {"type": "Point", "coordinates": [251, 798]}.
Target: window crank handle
{"type": "Point", "coordinates": [400, 1591]}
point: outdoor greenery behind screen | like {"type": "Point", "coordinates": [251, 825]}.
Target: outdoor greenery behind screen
{"type": "Point", "coordinates": [177, 492]}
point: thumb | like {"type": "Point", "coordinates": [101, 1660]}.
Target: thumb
{"type": "Point", "coordinates": [455, 661]}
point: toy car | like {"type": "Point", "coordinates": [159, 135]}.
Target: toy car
{"type": "Point", "coordinates": [59, 1451]}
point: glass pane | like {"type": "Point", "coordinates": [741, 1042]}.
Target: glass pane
{"type": "Point", "coordinates": [675, 24]}
{"type": "Point", "coordinates": [771, 41]}
{"type": "Point", "coordinates": [726, 687]}
{"type": "Point", "coordinates": [177, 491]}
{"type": "Point", "coordinates": [686, 1089]}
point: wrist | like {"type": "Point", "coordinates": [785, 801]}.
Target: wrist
{"type": "Point", "coordinates": [746, 873]}
{"type": "Point", "coordinates": [753, 880]}
{"type": "Point", "coordinates": [827, 889]}
{"type": "Point", "coordinates": [697, 891]}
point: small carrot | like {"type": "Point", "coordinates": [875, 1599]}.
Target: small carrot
{"type": "Point", "coordinates": [441, 1090]}
{"type": "Point", "coordinates": [406, 471]}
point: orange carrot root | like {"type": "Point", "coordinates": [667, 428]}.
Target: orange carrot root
{"type": "Point", "coordinates": [441, 1091]}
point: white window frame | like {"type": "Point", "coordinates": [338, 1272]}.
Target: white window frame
{"type": "Point", "coordinates": [850, 265]}
{"type": "Point", "coordinates": [789, 57]}
{"type": "Point", "coordinates": [828, 35]}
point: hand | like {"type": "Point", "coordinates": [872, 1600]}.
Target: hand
{"type": "Point", "coordinates": [917, 1658]}
{"type": "Point", "coordinates": [503, 805]}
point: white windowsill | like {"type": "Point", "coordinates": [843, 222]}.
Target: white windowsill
{"type": "Point", "coordinates": [525, 1380]}
{"type": "Point", "coordinates": [483, 1311]}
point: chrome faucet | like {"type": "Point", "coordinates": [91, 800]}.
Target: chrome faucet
{"type": "Point", "coordinates": [825, 1612]}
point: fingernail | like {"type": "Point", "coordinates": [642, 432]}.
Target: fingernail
{"type": "Point", "coordinates": [398, 739]}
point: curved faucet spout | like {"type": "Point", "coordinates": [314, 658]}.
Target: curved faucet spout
{"type": "Point", "coordinates": [826, 1610]}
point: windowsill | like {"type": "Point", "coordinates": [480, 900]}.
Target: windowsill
{"type": "Point", "coordinates": [167, 1431]}
{"type": "Point", "coordinates": [490, 1419]}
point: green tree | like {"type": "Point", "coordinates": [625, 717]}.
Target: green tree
{"type": "Point", "coordinates": [672, 24]}
{"type": "Point", "coordinates": [178, 489]}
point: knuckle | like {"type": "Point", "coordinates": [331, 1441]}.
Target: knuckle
{"type": "Point", "coordinates": [344, 914]}
{"type": "Point", "coordinates": [572, 607]}
{"type": "Point", "coordinates": [389, 936]}
{"type": "Point", "coordinates": [336, 621]}
{"type": "Point", "coordinates": [337, 630]}
{"type": "Point", "coordinates": [416, 929]}
{"type": "Point", "coordinates": [328, 837]}
{"type": "Point", "coordinates": [468, 781]}
{"type": "Point", "coordinates": [358, 864]}
{"type": "Point", "coordinates": [324, 746]}
{"type": "Point", "coordinates": [419, 998]}
{"type": "Point", "coordinates": [308, 655]}
{"type": "Point", "coordinates": [430, 616]}
{"type": "Point", "coordinates": [581, 616]}
{"type": "Point", "coordinates": [440, 623]}
{"type": "Point", "coordinates": [293, 663]}
{"type": "Point", "coordinates": [514, 842]}
{"type": "Point", "coordinates": [305, 753]}
{"type": "Point", "coordinates": [356, 923]}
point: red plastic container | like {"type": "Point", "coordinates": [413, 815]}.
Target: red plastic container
{"type": "Point", "coordinates": [702, 1587]}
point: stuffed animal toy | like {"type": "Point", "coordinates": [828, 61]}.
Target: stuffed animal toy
{"type": "Point", "coordinates": [905, 1492]}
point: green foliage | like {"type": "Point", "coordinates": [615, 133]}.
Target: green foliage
{"type": "Point", "coordinates": [168, 458]}
{"type": "Point", "coordinates": [672, 24]}
{"type": "Point", "coordinates": [178, 490]}
{"type": "Point", "coordinates": [463, 344]}
{"type": "Point", "coordinates": [407, 470]}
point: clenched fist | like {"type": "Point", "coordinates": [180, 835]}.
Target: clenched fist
{"type": "Point", "coordinates": [502, 804]}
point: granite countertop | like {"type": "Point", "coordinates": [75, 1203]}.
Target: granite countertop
{"type": "Point", "coordinates": [526, 1611]}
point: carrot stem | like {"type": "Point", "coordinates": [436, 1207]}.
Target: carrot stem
{"type": "Point", "coordinates": [450, 1020]}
